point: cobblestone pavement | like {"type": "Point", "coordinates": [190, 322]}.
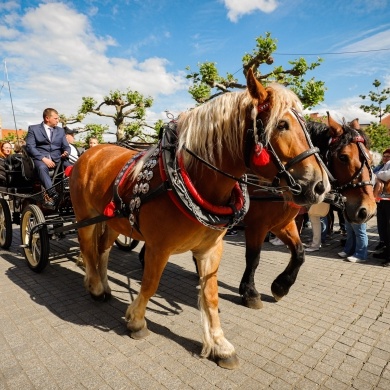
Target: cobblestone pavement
{"type": "Point", "coordinates": [330, 332]}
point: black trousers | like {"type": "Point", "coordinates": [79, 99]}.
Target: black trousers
{"type": "Point", "coordinates": [383, 222]}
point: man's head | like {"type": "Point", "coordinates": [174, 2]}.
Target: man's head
{"type": "Point", "coordinates": [386, 156]}
{"type": "Point", "coordinates": [50, 117]}
{"type": "Point", "coordinates": [70, 134]}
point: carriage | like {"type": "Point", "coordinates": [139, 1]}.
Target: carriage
{"type": "Point", "coordinates": [22, 202]}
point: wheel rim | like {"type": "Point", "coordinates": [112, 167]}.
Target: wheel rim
{"type": "Point", "coordinates": [3, 229]}
{"type": "Point", "coordinates": [34, 253]}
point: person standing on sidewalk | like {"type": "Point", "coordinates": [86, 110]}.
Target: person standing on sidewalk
{"type": "Point", "coordinates": [382, 192]}
{"type": "Point", "coordinates": [356, 245]}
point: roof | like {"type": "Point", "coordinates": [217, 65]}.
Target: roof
{"type": "Point", "coordinates": [5, 133]}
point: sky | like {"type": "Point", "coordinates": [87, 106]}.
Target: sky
{"type": "Point", "coordinates": [53, 53]}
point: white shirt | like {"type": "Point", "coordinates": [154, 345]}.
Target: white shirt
{"type": "Point", "coordinates": [384, 173]}
{"type": "Point", "coordinates": [48, 132]}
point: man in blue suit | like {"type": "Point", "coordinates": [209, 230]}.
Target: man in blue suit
{"type": "Point", "coordinates": [46, 144]}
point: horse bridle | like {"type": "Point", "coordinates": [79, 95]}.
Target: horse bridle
{"type": "Point", "coordinates": [256, 138]}
{"type": "Point", "coordinates": [359, 141]}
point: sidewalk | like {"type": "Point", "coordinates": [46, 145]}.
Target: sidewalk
{"type": "Point", "coordinates": [331, 332]}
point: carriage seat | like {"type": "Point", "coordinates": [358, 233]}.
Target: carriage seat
{"type": "Point", "coordinates": [28, 166]}
{"type": "Point", "coordinates": [13, 172]}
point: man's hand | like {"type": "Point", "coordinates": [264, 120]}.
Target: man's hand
{"type": "Point", "coordinates": [65, 154]}
{"type": "Point", "coordinates": [49, 163]}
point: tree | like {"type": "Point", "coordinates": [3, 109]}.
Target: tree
{"type": "Point", "coordinates": [378, 133]}
{"type": "Point", "coordinates": [377, 99]}
{"type": "Point", "coordinates": [379, 136]}
{"type": "Point", "coordinates": [71, 120]}
{"type": "Point", "coordinates": [310, 92]}
{"type": "Point", "coordinates": [129, 115]}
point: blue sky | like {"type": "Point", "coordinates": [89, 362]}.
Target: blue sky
{"type": "Point", "coordinates": [56, 52]}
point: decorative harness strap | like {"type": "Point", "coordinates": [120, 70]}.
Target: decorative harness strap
{"type": "Point", "coordinates": [185, 196]}
{"type": "Point", "coordinates": [178, 185]}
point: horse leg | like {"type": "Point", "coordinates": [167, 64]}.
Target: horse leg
{"type": "Point", "coordinates": [289, 235]}
{"type": "Point", "coordinates": [154, 264]}
{"type": "Point", "coordinates": [105, 242]}
{"type": "Point", "coordinates": [89, 253]}
{"type": "Point", "coordinates": [254, 238]}
{"type": "Point", "coordinates": [214, 341]}
{"type": "Point", "coordinates": [90, 247]}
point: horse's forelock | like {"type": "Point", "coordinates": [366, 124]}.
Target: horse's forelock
{"type": "Point", "coordinates": [282, 99]}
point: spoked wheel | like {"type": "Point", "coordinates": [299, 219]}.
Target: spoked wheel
{"type": "Point", "coordinates": [5, 225]}
{"type": "Point", "coordinates": [125, 243]}
{"type": "Point", "coordinates": [36, 254]}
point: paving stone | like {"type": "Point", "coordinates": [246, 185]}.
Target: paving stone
{"type": "Point", "coordinates": [330, 332]}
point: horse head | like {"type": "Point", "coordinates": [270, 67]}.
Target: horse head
{"type": "Point", "coordinates": [350, 160]}
{"type": "Point", "coordinates": [281, 149]}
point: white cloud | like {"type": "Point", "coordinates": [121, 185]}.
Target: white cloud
{"type": "Point", "coordinates": [238, 8]}
{"type": "Point", "coordinates": [54, 59]}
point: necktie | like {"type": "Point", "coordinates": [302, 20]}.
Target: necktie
{"type": "Point", "coordinates": [51, 133]}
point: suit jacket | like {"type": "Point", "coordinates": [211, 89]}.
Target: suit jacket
{"type": "Point", "coordinates": [39, 145]}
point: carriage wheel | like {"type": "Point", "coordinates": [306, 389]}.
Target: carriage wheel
{"type": "Point", "coordinates": [37, 255]}
{"type": "Point", "coordinates": [5, 225]}
{"type": "Point", "coordinates": [125, 243]}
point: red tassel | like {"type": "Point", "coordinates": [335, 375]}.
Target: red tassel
{"type": "Point", "coordinates": [109, 211]}
{"type": "Point", "coordinates": [261, 156]}
{"type": "Point", "coordinates": [68, 171]}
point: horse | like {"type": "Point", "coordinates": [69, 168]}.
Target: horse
{"type": "Point", "coordinates": [344, 150]}
{"type": "Point", "coordinates": [191, 185]}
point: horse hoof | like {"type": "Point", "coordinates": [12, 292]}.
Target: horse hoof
{"type": "Point", "coordinates": [277, 297]}
{"type": "Point", "coordinates": [230, 363]}
{"type": "Point", "coordinates": [252, 303]}
{"type": "Point", "coordinates": [140, 334]}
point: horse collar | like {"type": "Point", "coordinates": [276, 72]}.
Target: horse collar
{"type": "Point", "coordinates": [185, 196]}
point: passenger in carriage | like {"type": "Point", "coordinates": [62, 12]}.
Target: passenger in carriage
{"type": "Point", "coordinates": [5, 150]}
{"type": "Point", "coordinates": [93, 141]}
{"type": "Point", "coordinates": [75, 151]}
{"type": "Point", "coordinates": [47, 145]}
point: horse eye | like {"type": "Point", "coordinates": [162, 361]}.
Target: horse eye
{"type": "Point", "coordinates": [282, 125]}
{"type": "Point", "coordinates": [343, 158]}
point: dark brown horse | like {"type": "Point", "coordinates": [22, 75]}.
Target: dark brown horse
{"type": "Point", "coordinates": [344, 149]}
{"type": "Point", "coordinates": [186, 187]}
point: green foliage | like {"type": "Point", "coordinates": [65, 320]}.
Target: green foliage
{"type": "Point", "coordinates": [377, 98]}
{"type": "Point", "coordinates": [70, 120]}
{"type": "Point", "coordinates": [207, 79]}
{"type": "Point", "coordinates": [128, 114]}
{"type": "Point", "coordinates": [95, 131]}
{"type": "Point", "coordinates": [379, 136]}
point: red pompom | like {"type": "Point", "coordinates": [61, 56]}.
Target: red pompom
{"type": "Point", "coordinates": [68, 171]}
{"type": "Point", "coordinates": [109, 211]}
{"type": "Point", "coordinates": [261, 156]}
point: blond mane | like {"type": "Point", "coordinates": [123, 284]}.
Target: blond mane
{"type": "Point", "coordinates": [220, 123]}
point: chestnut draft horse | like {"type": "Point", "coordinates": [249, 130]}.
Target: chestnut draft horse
{"type": "Point", "coordinates": [200, 159]}
{"type": "Point", "coordinates": [344, 150]}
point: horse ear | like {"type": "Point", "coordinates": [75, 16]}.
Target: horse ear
{"type": "Point", "coordinates": [335, 129]}
{"type": "Point", "coordinates": [355, 124]}
{"type": "Point", "coordinates": [256, 89]}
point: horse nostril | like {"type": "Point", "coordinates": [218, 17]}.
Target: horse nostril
{"type": "Point", "coordinates": [319, 188]}
{"type": "Point", "coordinates": [362, 214]}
